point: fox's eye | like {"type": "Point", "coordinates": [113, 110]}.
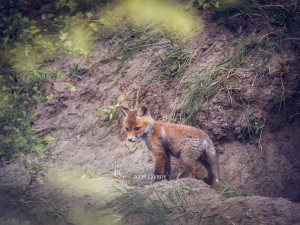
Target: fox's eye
{"type": "Point", "coordinates": [127, 128]}
{"type": "Point", "coordinates": [136, 128]}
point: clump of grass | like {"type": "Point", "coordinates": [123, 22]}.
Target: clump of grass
{"type": "Point", "coordinates": [152, 206]}
{"type": "Point", "coordinates": [254, 219]}
{"type": "Point", "coordinates": [78, 70]}
{"type": "Point", "coordinates": [227, 193]}
{"type": "Point", "coordinates": [201, 88]}
{"type": "Point", "coordinates": [249, 54]}
{"type": "Point", "coordinates": [168, 60]}
{"type": "Point", "coordinates": [250, 125]}
{"type": "Point", "coordinates": [35, 209]}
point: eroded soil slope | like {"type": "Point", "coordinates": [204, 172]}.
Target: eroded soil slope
{"type": "Point", "coordinates": [264, 162]}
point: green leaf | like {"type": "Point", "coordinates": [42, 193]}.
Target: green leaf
{"type": "Point", "coordinates": [84, 51]}
{"type": "Point", "coordinates": [61, 57]}
{"type": "Point", "coordinates": [6, 39]}
{"type": "Point", "coordinates": [89, 14]}
{"type": "Point", "coordinates": [36, 30]}
{"type": "Point", "coordinates": [6, 139]}
{"type": "Point", "coordinates": [72, 5]}
{"type": "Point", "coordinates": [29, 165]}
{"type": "Point", "coordinates": [19, 139]}
{"type": "Point", "coordinates": [201, 2]}
{"type": "Point", "coordinates": [50, 15]}
{"type": "Point", "coordinates": [206, 6]}
{"type": "Point", "coordinates": [106, 23]}
{"type": "Point", "coordinates": [39, 149]}
{"type": "Point", "coordinates": [79, 15]}
{"type": "Point", "coordinates": [190, 4]}
{"type": "Point", "coordinates": [71, 88]}
{"type": "Point", "coordinates": [53, 149]}
{"type": "Point", "coordinates": [68, 44]}
{"type": "Point", "coordinates": [49, 138]}
{"type": "Point", "coordinates": [46, 180]}
{"type": "Point", "coordinates": [61, 73]}
{"type": "Point", "coordinates": [44, 94]}
{"type": "Point", "coordinates": [50, 96]}
{"type": "Point", "coordinates": [59, 4]}
{"type": "Point", "coordinates": [63, 36]}
{"type": "Point", "coordinates": [37, 112]}
{"type": "Point", "coordinates": [45, 169]}
{"type": "Point", "coordinates": [94, 26]}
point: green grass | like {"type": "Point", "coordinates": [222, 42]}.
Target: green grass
{"type": "Point", "coordinates": [227, 193]}
{"type": "Point", "coordinates": [15, 201]}
{"type": "Point", "coordinates": [149, 206]}
{"type": "Point", "coordinates": [246, 54]}
{"type": "Point", "coordinates": [168, 60]}
{"type": "Point", "coordinates": [152, 205]}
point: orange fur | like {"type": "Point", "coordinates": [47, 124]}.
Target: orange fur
{"type": "Point", "coordinates": [192, 145]}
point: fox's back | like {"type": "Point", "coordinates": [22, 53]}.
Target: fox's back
{"type": "Point", "coordinates": [175, 136]}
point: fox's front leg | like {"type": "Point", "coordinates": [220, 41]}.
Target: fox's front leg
{"type": "Point", "coordinates": [167, 170]}
{"type": "Point", "coordinates": [162, 166]}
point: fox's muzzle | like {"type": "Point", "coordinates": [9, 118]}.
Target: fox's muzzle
{"type": "Point", "coordinates": [133, 139]}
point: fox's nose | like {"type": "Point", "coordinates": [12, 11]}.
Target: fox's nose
{"type": "Point", "coordinates": [129, 139]}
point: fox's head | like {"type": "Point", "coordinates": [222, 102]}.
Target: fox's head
{"type": "Point", "coordinates": [137, 122]}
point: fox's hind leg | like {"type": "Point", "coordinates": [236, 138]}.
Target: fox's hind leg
{"type": "Point", "coordinates": [189, 154]}
{"type": "Point", "coordinates": [204, 172]}
{"type": "Point", "coordinates": [189, 165]}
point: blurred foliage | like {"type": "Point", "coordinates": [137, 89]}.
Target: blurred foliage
{"type": "Point", "coordinates": [218, 5]}
{"type": "Point", "coordinates": [33, 31]}
{"type": "Point", "coordinates": [18, 94]}
{"type": "Point", "coordinates": [159, 13]}
{"type": "Point", "coordinates": [30, 33]}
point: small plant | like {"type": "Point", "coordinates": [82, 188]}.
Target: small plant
{"type": "Point", "coordinates": [286, 17]}
{"type": "Point", "coordinates": [250, 126]}
{"type": "Point", "coordinates": [224, 190]}
{"type": "Point", "coordinates": [87, 174]}
{"type": "Point", "coordinates": [217, 5]}
{"type": "Point", "coordinates": [254, 219]}
{"type": "Point", "coordinates": [257, 127]}
{"type": "Point", "coordinates": [78, 70]}
{"type": "Point", "coordinates": [131, 151]}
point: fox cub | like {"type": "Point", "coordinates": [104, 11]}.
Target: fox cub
{"type": "Point", "coordinates": [192, 145]}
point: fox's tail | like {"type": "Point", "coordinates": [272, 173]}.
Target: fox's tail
{"type": "Point", "coordinates": [212, 160]}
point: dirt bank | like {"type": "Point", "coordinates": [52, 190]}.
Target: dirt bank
{"type": "Point", "coordinates": [262, 163]}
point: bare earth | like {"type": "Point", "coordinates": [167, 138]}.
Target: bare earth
{"type": "Point", "coordinates": [268, 174]}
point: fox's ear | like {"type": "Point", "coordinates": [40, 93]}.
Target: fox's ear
{"type": "Point", "coordinates": [124, 111]}
{"type": "Point", "coordinates": [143, 111]}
